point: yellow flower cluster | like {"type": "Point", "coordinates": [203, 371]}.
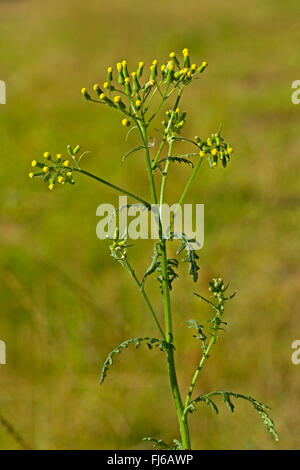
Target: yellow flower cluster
{"type": "Point", "coordinates": [57, 170]}
{"type": "Point", "coordinates": [215, 149]}
{"type": "Point", "coordinates": [134, 93]}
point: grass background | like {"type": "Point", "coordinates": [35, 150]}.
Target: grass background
{"type": "Point", "coordinates": [64, 303]}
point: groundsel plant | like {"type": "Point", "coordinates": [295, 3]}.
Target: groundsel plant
{"type": "Point", "coordinates": [138, 97]}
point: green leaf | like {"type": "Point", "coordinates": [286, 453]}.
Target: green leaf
{"type": "Point", "coordinates": [191, 256]}
{"type": "Point", "coordinates": [177, 445]}
{"type": "Point", "coordinates": [137, 341]}
{"type": "Point", "coordinates": [195, 324]}
{"type": "Point", "coordinates": [140, 147]}
{"type": "Point", "coordinates": [154, 264]}
{"type": "Point", "coordinates": [259, 407]}
{"type": "Point", "coordinates": [158, 443]}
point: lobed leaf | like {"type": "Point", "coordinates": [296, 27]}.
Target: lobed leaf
{"type": "Point", "coordinates": [226, 395]}
{"type": "Point", "coordinates": [137, 341]}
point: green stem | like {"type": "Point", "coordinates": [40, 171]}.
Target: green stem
{"type": "Point", "coordinates": [141, 288]}
{"type": "Point", "coordinates": [167, 303]}
{"type": "Point", "coordinates": [113, 186]}
{"type": "Point", "coordinates": [198, 370]}
{"type": "Point", "coordinates": [142, 129]}
{"type": "Point", "coordinates": [184, 430]}
{"type": "Point", "coordinates": [187, 186]}
{"type": "Point", "coordinates": [167, 129]}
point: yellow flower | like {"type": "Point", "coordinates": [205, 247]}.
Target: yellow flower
{"type": "Point", "coordinates": [30, 174]}
{"type": "Point", "coordinates": [60, 179]}
{"type": "Point", "coordinates": [133, 74]}
{"type": "Point", "coordinates": [152, 82]}
{"type": "Point", "coordinates": [117, 99]}
{"type": "Point", "coordinates": [105, 85]}
{"type": "Point", "coordinates": [119, 66]}
{"type": "Point", "coordinates": [96, 87]}
{"type": "Point", "coordinates": [127, 80]}
{"type": "Point", "coordinates": [125, 122]}
{"type": "Point", "coordinates": [59, 156]}
{"type": "Point", "coordinates": [185, 52]}
{"type": "Point", "coordinates": [204, 64]}
{"type": "Point", "coordinates": [214, 164]}
{"type": "Point", "coordinates": [193, 66]}
{"type": "Point", "coordinates": [51, 186]}
{"type": "Point", "coordinates": [214, 152]}
{"type": "Point", "coordinates": [177, 110]}
{"type": "Point", "coordinates": [170, 66]}
{"type": "Point", "coordinates": [66, 163]}
{"type": "Point", "coordinates": [202, 154]}
{"type": "Point", "coordinates": [189, 74]}
{"type": "Point", "coordinates": [154, 62]}
{"type": "Point", "coordinates": [83, 91]}
{"type": "Point", "coordinates": [45, 169]}
{"type": "Point", "coordinates": [229, 151]}
{"type": "Point", "coordinates": [138, 103]}
{"type": "Point", "coordinates": [101, 96]}
{"type": "Point", "coordinates": [141, 64]}
{"type": "Point", "coordinates": [171, 55]}
{"type": "Point", "coordinates": [47, 155]}
{"type": "Point", "coordinates": [33, 163]}
{"type": "Point", "coordinates": [109, 69]}
{"type": "Point", "coordinates": [124, 62]}
{"type": "Point", "coordinates": [162, 68]}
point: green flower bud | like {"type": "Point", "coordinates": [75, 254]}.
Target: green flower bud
{"type": "Point", "coordinates": [135, 83]}
{"type": "Point", "coordinates": [140, 69]}
{"type": "Point", "coordinates": [124, 69]}
{"type": "Point", "coordinates": [76, 149]}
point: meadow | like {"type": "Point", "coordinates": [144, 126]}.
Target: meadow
{"type": "Point", "coordinates": [64, 302]}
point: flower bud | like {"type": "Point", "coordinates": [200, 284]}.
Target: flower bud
{"type": "Point", "coordinates": [125, 122]}
{"type": "Point", "coordinates": [76, 149]}
{"type": "Point", "coordinates": [120, 73]}
{"type": "Point", "coordinates": [202, 67]}
{"type": "Point", "coordinates": [153, 71]}
{"type": "Point", "coordinates": [118, 101]}
{"type": "Point", "coordinates": [47, 155]}
{"type": "Point", "coordinates": [66, 163]}
{"type": "Point", "coordinates": [124, 69]}
{"type": "Point", "coordinates": [186, 59]}
{"type": "Point", "coordinates": [135, 83]}
{"type": "Point", "coordinates": [172, 56]}
{"type": "Point", "coordinates": [140, 69]}
{"type": "Point", "coordinates": [97, 89]}
{"type": "Point", "coordinates": [85, 93]}
{"type": "Point", "coordinates": [170, 73]}
{"type": "Point", "coordinates": [127, 86]}
{"type": "Point", "coordinates": [109, 74]}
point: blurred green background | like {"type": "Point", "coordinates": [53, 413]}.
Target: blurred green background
{"type": "Point", "coordinates": [64, 302]}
